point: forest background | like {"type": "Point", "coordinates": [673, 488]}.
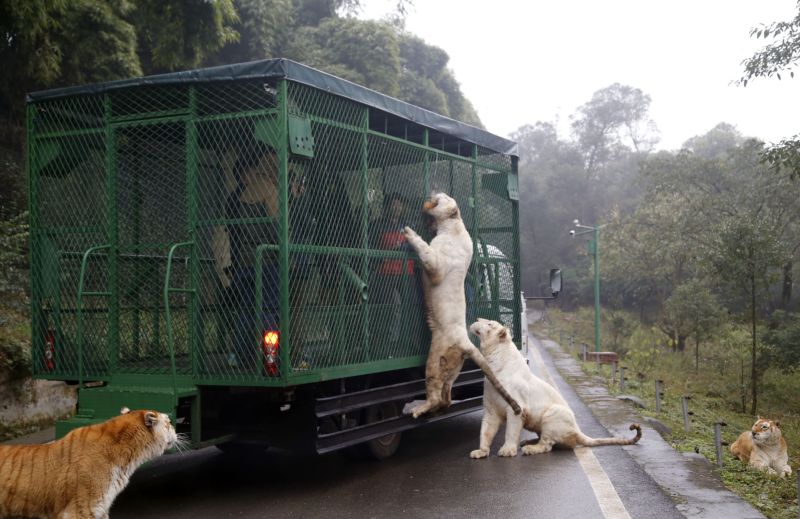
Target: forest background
{"type": "Point", "coordinates": [698, 246]}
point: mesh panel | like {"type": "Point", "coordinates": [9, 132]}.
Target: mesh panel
{"type": "Point", "coordinates": [281, 272]}
{"type": "Point", "coordinates": [147, 101]}
{"type": "Point", "coordinates": [498, 256]}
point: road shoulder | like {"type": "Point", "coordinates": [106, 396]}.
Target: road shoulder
{"type": "Point", "coordinates": [691, 482]}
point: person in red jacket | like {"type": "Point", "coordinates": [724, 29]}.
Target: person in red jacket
{"type": "Point", "coordinates": [393, 284]}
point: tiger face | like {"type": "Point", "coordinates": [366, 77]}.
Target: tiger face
{"type": "Point", "coordinates": [766, 432]}
{"type": "Point", "coordinates": [441, 207]}
{"type": "Point", "coordinates": [160, 426]}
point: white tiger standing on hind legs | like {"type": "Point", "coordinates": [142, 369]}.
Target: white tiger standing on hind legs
{"type": "Point", "coordinates": [445, 264]}
{"type": "Point", "coordinates": [544, 410]}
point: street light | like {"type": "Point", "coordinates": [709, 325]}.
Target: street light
{"type": "Point", "coordinates": [594, 248]}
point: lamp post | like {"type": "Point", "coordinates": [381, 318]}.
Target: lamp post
{"type": "Point", "coordinates": [594, 249]}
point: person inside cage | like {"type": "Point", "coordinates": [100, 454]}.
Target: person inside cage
{"type": "Point", "coordinates": [251, 212]}
{"type": "Point", "coordinates": [393, 278]}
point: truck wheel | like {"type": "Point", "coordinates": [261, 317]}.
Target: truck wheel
{"type": "Point", "coordinates": [385, 446]}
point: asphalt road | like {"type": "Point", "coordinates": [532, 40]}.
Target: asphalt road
{"type": "Point", "coordinates": [430, 476]}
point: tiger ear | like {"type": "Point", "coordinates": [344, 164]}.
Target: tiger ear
{"type": "Point", "coordinates": [455, 213]}
{"type": "Point", "coordinates": [503, 334]}
{"type": "Point", "coordinates": [778, 424]}
{"type": "Point", "coordinates": [124, 410]}
{"type": "Point", "coordinates": [150, 419]}
{"type": "Point", "coordinates": [760, 417]}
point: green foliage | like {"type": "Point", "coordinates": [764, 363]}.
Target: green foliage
{"type": "Point", "coordinates": [693, 310]}
{"type": "Point", "coordinates": [107, 43]}
{"type": "Point", "coordinates": [780, 55]}
{"type": "Point", "coordinates": [12, 178]}
{"type": "Point", "coordinates": [715, 395]}
{"type": "Point", "coordinates": [365, 52]}
{"type": "Point", "coordinates": [783, 336]}
{"type": "Point", "coordinates": [181, 35]}
{"type": "Point", "coordinates": [15, 357]}
{"type": "Point", "coordinates": [265, 28]}
{"type": "Point", "coordinates": [14, 324]}
{"type": "Point", "coordinates": [28, 48]}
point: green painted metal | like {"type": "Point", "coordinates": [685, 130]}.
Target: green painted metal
{"type": "Point", "coordinates": [81, 295]}
{"type": "Point", "coordinates": [520, 327]}
{"type": "Point", "coordinates": [153, 174]}
{"type": "Point", "coordinates": [301, 141]}
{"type": "Point", "coordinates": [111, 233]}
{"type": "Point", "coordinates": [596, 253]}
{"type": "Point", "coordinates": [168, 315]}
{"type": "Point", "coordinates": [283, 228]}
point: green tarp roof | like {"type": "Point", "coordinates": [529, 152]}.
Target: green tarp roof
{"type": "Point", "coordinates": [284, 68]}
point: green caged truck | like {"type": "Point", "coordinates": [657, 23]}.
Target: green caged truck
{"type": "Point", "coordinates": [222, 245]}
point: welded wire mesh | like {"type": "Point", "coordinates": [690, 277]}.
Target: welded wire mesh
{"type": "Point", "coordinates": [251, 229]}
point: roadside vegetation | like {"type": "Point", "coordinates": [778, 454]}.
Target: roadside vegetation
{"type": "Point", "coordinates": [718, 387]}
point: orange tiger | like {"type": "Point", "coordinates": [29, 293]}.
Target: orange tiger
{"type": "Point", "coordinates": [80, 475]}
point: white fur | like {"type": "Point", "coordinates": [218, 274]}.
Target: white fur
{"type": "Point", "coordinates": [445, 263]}
{"type": "Point", "coordinates": [544, 410]}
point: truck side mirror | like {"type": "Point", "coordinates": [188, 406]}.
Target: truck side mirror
{"type": "Point", "coordinates": [555, 281]}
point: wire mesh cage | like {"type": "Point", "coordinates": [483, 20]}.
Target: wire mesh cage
{"type": "Point", "coordinates": [243, 226]}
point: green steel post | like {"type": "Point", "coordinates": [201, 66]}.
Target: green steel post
{"type": "Point", "coordinates": [596, 288]}
{"type": "Point", "coordinates": [473, 203]}
{"type": "Point", "coordinates": [365, 232]}
{"type": "Point", "coordinates": [427, 162]}
{"type": "Point", "coordinates": [519, 327]}
{"type": "Point", "coordinates": [112, 237]}
{"type": "Point", "coordinates": [191, 220]}
{"type": "Point", "coordinates": [283, 240]}
{"type": "Point", "coordinates": [79, 307]}
{"type": "Point", "coordinates": [168, 316]}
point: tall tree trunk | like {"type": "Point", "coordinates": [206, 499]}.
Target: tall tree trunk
{"type": "Point", "coordinates": [696, 353]}
{"type": "Point", "coordinates": [742, 387]}
{"type": "Point", "coordinates": [788, 282]}
{"type": "Point", "coordinates": [753, 369]}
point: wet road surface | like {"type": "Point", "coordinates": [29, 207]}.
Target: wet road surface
{"type": "Point", "coordinates": [430, 476]}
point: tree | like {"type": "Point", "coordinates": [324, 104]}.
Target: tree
{"type": "Point", "coordinates": [264, 27]}
{"type": "Point", "coordinates": [783, 336]}
{"type": "Point", "coordinates": [362, 51]}
{"type": "Point", "coordinates": [99, 44]}
{"type": "Point", "coordinates": [616, 117]}
{"type": "Point", "coordinates": [743, 256]}
{"type": "Point", "coordinates": [28, 49]}
{"type": "Point", "coordinates": [693, 310]}
{"type": "Point", "coordinates": [779, 56]}
{"type": "Point", "coordinates": [181, 34]}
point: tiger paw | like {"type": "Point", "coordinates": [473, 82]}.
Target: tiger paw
{"type": "Point", "coordinates": [479, 453]}
{"type": "Point", "coordinates": [507, 451]}
{"type": "Point", "coordinates": [409, 233]}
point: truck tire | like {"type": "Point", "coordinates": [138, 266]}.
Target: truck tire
{"type": "Point", "coordinates": [385, 446]}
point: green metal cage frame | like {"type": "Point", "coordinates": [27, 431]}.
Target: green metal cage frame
{"type": "Point", "coordinates": [103, 295]}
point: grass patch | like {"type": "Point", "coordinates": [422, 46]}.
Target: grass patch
{"type": "Point", "coordinates": [715, 389]}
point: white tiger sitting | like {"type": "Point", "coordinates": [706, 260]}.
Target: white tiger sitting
{"type": "Point", "coordinates": [544, 410]}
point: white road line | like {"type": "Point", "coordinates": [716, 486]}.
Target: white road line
{"type": "Point", "coordinates": [607, 497]}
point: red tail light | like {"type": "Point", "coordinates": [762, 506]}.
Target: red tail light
{"type": "Point", "coordinates": [50, 350]}
{"type": "Point", "coordinates": [271, 344]}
